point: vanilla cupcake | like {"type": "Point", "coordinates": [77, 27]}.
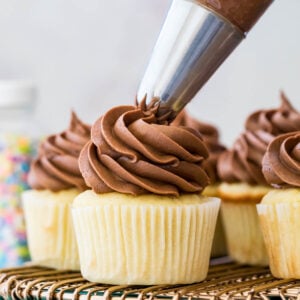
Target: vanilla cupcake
{"type": "Point", "coordinates": [280, 209]}
{"type": "Point", "coordinates": [244, 186]}
{"type": "Point", "coordinates": [55, 180]}
{"type": "Point", "coordinates": [144, 221]}
{"type": "Point", "coordinates": [210, 136]}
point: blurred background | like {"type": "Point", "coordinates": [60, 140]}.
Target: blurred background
{"type": "Point", "coordinates": [90, 55]}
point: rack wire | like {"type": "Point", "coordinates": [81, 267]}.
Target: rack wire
{"type": "Point", "coordinates": [224, 281]}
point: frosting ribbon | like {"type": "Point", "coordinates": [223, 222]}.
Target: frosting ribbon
{"type": "Point", "coordinates": [56, 167]}
{"type": "Point", "coordinates": [133, 151]}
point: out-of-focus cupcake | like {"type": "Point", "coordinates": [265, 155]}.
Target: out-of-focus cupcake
{"type": "Point", "coordinates": [240, 168]}
{"type": "Point", "coordinates": [279, 210]}
{"type": "Point", "coordinates": [210, 136]}
{"type": "Point", "coordinates": [144, 221]}
{"type": "Point", "coordinates": [55, 180]}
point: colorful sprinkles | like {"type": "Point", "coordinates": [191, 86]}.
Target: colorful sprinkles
{"type": "Point", "coordinates": [16, 153]}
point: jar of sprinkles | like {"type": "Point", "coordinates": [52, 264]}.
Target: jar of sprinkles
{"type": "Point", "coordinates": [17, 147]}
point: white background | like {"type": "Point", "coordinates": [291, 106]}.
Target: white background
{"type": "Point", "coordinates": [90, 55]}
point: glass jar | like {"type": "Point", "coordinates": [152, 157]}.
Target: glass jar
{"type": "Point", "coordinates": [17, 148]}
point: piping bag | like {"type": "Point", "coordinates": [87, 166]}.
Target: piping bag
{"type": "Point", "coordinates": [196, 38]}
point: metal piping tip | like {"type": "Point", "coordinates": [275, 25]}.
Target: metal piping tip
{"type": "Point", "coordinates": [193, 43]}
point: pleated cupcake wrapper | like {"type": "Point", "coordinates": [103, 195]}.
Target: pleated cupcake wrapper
{"type": "Point", "coordinates": [50, 232]}
{"type": "Point", "coordinates": [219, 247]}
{"type": "Point", "coordinates": [145, 244]}
{"type": "Point", "coordinates": [243, 234]}
{"type": "Point", "coordinates": [280, 225]}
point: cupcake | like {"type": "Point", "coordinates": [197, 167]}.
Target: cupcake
{"type": "Point", "coordinates": [244, 185]}
{"type": "Point", "coordinates": [55, 180]}
{"type": "Point", "coordinates": [144, 221]}
{"type": "Point", "coordinates": [210, 136]}
{"type": "Point", "coordinates": [279, 210]}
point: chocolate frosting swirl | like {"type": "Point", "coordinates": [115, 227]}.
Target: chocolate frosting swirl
{"type": "Point", "coordinates": [132, 151]}
{"type": "Point", "coordinates": [56, 167]}
{"type": "Point", "coordinates": [243, 163]}
{"type": "Point", "coordinates": [281, 162]}
{"type": "Point", "coordinates": [210, 136]}
{"type": "Point", "coordinates": [275, 121]}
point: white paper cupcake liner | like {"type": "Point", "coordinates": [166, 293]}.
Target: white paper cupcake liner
{"type": "Point", "coordinates": [219, 247]}
{"type": "Point", "coordinates": [49, 227]}
{"type": "Point", "coordinates": [243, 234]}
{"type": "Point", "coordinates": [280, 225]}
{"type": "Point", "coordinates": [144, 242]}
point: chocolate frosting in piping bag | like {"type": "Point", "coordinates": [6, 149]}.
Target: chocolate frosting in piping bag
{"type": "Point", "coordinates": [281, 163]}
{"type": "Point", "coordinates": [241, 13]}
{"type": "Point", "coordinates": [133, 151]}
{"type": "Point", "coordinates": [56, 167]}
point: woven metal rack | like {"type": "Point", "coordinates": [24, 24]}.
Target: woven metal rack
{"type": "Point", "coordinates": [224, 281]}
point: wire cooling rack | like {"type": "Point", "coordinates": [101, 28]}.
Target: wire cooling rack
{"type": "Point", "coordinates": [224, 281]}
